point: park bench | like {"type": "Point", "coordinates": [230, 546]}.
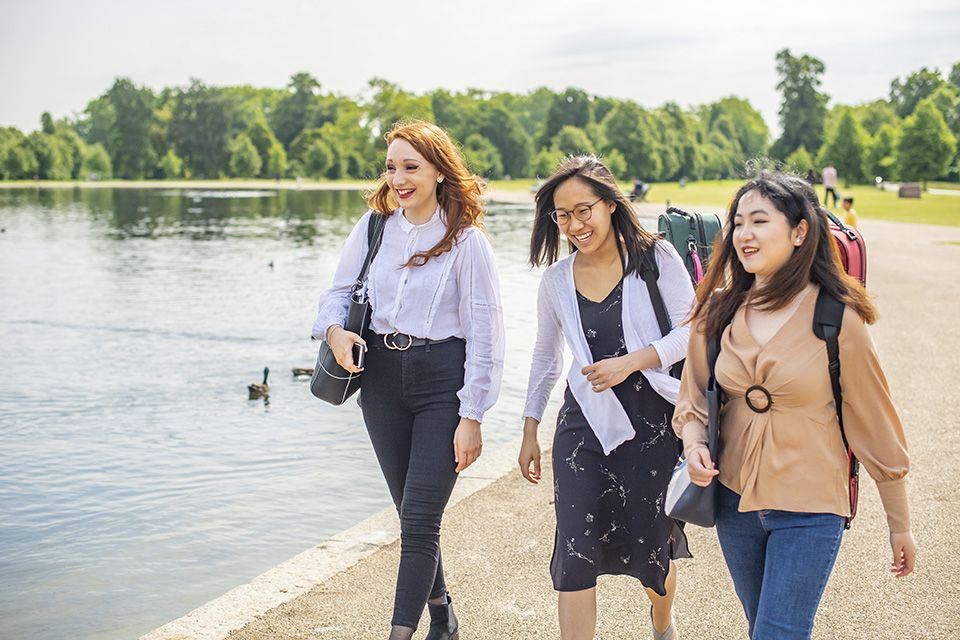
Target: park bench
{"type": "Point", "coordinates": [910, 190]}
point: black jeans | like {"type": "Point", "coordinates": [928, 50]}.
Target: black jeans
{"type": "Point", "coordinates": [411, 410]}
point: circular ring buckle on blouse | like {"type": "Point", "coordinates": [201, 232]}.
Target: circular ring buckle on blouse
{"type": "Point", "coordinates": [390, 341]}
{"type": "Point", "coordinates": [750, 404]}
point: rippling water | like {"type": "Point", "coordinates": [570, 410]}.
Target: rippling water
{"type": "Point", "coordinates": [137, 481]}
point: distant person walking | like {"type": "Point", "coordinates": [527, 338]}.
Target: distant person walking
{"type": "Point", "coordinates": [830, 184]}
{"type": "Point", "coordinates": [849, 213]}
{"type": "Point", "coordinates": [613, 448]}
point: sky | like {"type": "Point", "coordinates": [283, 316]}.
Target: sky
{"type": "Point", "coordinates": [57, 55]}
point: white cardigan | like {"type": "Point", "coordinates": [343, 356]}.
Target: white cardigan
{"type": "Point", "coordinates": [558, 317]}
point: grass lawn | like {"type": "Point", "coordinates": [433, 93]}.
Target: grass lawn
{"type": "Point", "coordinates": [869, 201]}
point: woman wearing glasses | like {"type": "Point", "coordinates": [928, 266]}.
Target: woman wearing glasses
{"type": "Point", "coordinates": [436, 348]}
{"type": "Point", "coordinates": [613, 449]}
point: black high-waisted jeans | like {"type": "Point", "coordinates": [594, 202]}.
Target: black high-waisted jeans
{"type": "Point", "coordinates": [411, 410]}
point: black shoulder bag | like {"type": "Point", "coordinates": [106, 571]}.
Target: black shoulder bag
{"type": "Point", "coordinates": [331, 382]}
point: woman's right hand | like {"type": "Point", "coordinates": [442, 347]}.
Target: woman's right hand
{"type": "Point", "coordinates": [529, 458]}
{"type": "Point", "coordinates": [700, 466]}
{"type": "Point", "coordinates": [341, 344]}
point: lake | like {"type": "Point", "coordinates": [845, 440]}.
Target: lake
{"type": "Point", "coordinates": [138, 479]}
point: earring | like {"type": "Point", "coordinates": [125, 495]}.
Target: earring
{"type": "Point", "coordinates": [439, 179]}
{"type": "Point", "coordinates": [798, 241]}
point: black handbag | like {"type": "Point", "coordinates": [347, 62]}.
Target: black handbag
{"type": "Point", "coordinates": [684, 500]}
{"type": "Point", "coordinates": [331, 382]}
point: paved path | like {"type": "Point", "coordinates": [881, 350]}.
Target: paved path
{"type": "Point", "coordinates": [497, 541]}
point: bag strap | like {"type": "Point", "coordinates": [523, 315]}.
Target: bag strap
{"type": "Point", "coordinates": [827, 320]}
{"type": "Point", "coordinates": [650, 274]}
{"type": "Point", "coordinates": [374, 239]}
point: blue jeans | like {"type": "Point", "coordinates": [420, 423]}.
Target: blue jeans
{"type": "Point", "coordinates": [411, 410]}
{"type": "Point", "coordinates": [780, 562]}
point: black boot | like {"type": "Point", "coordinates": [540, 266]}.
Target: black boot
{"type": "Point", "coordinates": [443, 622]}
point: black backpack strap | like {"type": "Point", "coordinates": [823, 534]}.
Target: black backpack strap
{"type": "Point", "coordinates": [827, 320]}
{"type": "Point", "coordinates": [374, 237]}
{"type": "Point", "coordinates": [650, 274]}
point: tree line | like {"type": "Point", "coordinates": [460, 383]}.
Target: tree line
{"type": "Point", "coordinates": [201, 131]}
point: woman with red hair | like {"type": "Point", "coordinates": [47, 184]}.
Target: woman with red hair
{"type": "Point", "coordinates": [435, 348]}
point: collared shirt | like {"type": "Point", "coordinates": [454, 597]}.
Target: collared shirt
{"type": "Point", "coordinates": [456, 294]}
{"type": "Point", "coordinates": [558, 317]}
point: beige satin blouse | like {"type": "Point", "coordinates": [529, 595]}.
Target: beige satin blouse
{"type": "Point", "coordinates": [792, 457]}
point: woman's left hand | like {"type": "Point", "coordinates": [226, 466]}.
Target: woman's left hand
{"type": "Point", "coordinates": [904, 553]}
{"type": "Point", "coordinates": [608, 372]}
{"type": "Point", "coordinates": [467, 443]}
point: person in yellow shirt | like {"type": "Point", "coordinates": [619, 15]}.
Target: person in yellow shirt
{"type": "Point", "coordinates": [849, 213]}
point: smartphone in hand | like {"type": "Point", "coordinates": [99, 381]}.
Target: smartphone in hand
{"type": "Point", "coordinates": [359, 351]}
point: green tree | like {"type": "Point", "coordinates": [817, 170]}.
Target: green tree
{"type": "Point", "coordinates": [501, 127]}
{"type": "Point", "coordinates": [75, 146]}
{"type": "Point", "coordinates": [804, 108]}
{"type": "Point", "coordinates": [296, 109]}
{"type": "Point", "coordinates": [170, 165]}
{"type": "Point", "coordinates": [906, 94]}
{"type": "Point", "coordinates": [926, 144]}
{"type": "Point", "coordinates": [617, 164]}
{"type": "Point", "coordinates": [131, 150]}
{"type": "Point", "coordinates": [97, 121]}
{"type": "Point", "coordinates": [96, 160]}
{"type": "Point", "coordinates": [846, 147]}
{"type": "Point", "coordinates": [572, 141]}
{"type": "Point", "coordinates": [262, 137]}
{"type": "Point", "coordinates": [882, 153]}
{"type": "Point", "coordinates": [678, 142]}
{"type": "Point", "coordinates": [52, 154]}
{"type": "Point", "coordinates": [629, 129]}
{"type": "Point", "coordinates": [390, 103]}
{"type": "Point", "coordinates": [570, 108]}
{"type": "Point", "coordinates": [317, 159]}
{"type": "Point", "coordinates": [303, 141]}
{"type": "Point", "coordinates": [20, 163]}
{"type": "Point", "coordinates": [46, 123]}
{"type": "Point", "coordinates": [744, 125]}
{"type": "Point", "coordinates": [200, 128]}
{"type": "Point", "coordinates": [799, 161]}
{"type": "Point", "coordinates": [482, 157]}
{"type": "Point", "coordinates": [874, 115]}
{"type": "Point", "coordinates": [545, 162]}
{"type": "Point", "coordinates": [721, 155]}
{"type": "Point", "coordinates": [244, 158]}
{"type": "Point", "coordinates": [457, 113]}
{"type": "Point", "coordinates": [276, 160]}
{"type": "Point", "coordinates": [954, 77]}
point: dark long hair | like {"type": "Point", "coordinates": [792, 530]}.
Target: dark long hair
{"type": "Point", "coordinates": [459, 195]}
{"type": "Point", "coordinates": [631, 238]}
{"type": "Point", "coordinates": [816, 260]}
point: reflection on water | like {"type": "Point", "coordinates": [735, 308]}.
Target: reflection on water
{"type": "Point", "coordinates": [139, 481]}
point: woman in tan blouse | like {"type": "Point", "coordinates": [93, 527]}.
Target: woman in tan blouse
{"type": "Point", "coordinates": [782, 465]}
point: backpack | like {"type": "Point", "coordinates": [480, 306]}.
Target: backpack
{"type": "Point", "coordinates": [852, 249]}
{"type": "Point", "coordinates": [692, 235]}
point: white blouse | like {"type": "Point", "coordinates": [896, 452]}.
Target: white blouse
{"type": "Point", "coordinates": [456, 294]}
{"type": "Point", "coordinates": [558, 317]}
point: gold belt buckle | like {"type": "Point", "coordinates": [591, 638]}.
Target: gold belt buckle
{"type": "Point", "coordinates": [392, 344]}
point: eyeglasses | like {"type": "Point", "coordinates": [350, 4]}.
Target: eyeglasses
{"type": "Point", "coordinates": [582, 212]}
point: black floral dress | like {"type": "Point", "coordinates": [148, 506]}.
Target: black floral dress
{"type": "Point", "coordinates": [610, 517]}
